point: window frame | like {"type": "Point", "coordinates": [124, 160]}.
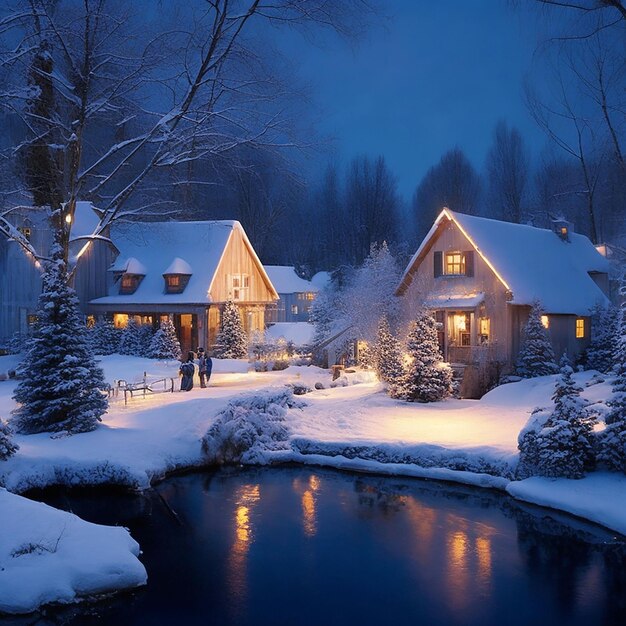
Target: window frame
{"type": "Point", "coordinates": [580, 328]}
{"type": "Point", "coordinates": [454, 264]}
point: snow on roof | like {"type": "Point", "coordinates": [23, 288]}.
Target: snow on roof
{"type": "Point", "coordinates": [85, 220]}
{"type": "Point", "coordinates": [455, 301]}
{"type": "Point", "coordinates": [533, 263]}
{"type": "Point", "coordinates": [299, 333]}
{"type": "Point", "coordinates": [156, 243]}
{"type": "Point", "coordinates": [130, 266]}
{"type": "Point", "coordinates": [321, 280]}
{"type": "Point", "coordinates": [178, 266]}
{"type": "Point", "coordinates": [285, 280]}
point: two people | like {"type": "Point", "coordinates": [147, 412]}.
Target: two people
{"type": "Point", "coordinates": [187, 370]}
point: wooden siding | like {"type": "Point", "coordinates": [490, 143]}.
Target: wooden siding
{"type": "Point", "coordinates": [282, 311]}
{"type": "Point", "coordinates": [92, 276]}
{"type": "Point", "coordinates": [448, 238]}
{"type": "Point", "coordinates": [238, 260]}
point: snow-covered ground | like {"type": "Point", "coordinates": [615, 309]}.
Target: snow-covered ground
{"type": "Point", "coordinates": [351, 426]}
{"type": "Point", "coordinates": [47, 555]}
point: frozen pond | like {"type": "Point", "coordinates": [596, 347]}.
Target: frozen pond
{"type": "Point", "coordinates": [297, 546]}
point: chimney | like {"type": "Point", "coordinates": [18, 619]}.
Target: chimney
{"type": "Point", "coordinates": [562, 228]}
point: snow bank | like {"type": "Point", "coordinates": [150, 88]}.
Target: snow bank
{"type": "Point", "coordinates": [599, 497]}
{"type": "Point", "coordinates": [48, 556]}
{"type": "Point", "coordinates": [299, 333]}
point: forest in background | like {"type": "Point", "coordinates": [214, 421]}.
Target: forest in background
{"type": "Point", "coordinates": [243, 146]}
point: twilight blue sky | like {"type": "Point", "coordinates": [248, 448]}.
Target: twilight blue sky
{"type": "Point", "coordinates": [436, 75]}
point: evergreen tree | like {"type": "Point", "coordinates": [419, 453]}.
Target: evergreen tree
{"type": "Point", "coordinates": [146, 333]}
{"type": "Point", "coordinates": [428, 378]}
{"type": "Point", "coordinates": [612, 441]}
{"type": "Point", "coordinates": [7, 446]}
{"type": "Point", "coordinates": [603, 332]}
{"type": "Point", "coordinates": [387, 354]}
{"type": "Point", "coordinates": [165, 344]}
{"type": "Point", "coordinates": [560, 444]}
{"type": "Point", "coordinates": [104, 337]}
{"type": "Point", "coordinates": [232, 342]}
{"type": "Point", "coordinates": [60, 382]}
{"type": "Point", "coordinates": [536, 357]}
{"type": "Point", "coordinates": [322, 314]}
{"type": "Point", "coordinates": [131, 341]}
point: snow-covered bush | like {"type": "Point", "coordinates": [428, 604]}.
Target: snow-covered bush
{"type": "Point", "coordinates": [427, 378]}
{"type": "Point", "coordinates": [387, 353]}
{"type": "Point", "coordinates": [249, 427]}
{"type": "Point", "coordinates": [165, 344]}
{"type": "Point", "coordinates": [104, 338]}
{"type": "Point", "coordinates": [7, 446]}
{"type": "Point", "coordinates": [231, 342]}
{"type": "Point", "coordinates": [60, 382]}
{"type": "Point", "coordinates": [536, 357]}
{"type": "Point", "coordinates": [559, 443]}
{"type": "Point", "coordinates": [599, 355]}
{"type": "Point", "coordinates": [146, 334]}
{"type": "Point", "coordinates": [612, 441]}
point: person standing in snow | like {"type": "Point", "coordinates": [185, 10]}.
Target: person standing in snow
{"type": "Point", "coordinates": [209, 368]}
{"type": "Point", "coordinates": [187, 370]}
{"type": "Point", "coordinates": [202, 370]}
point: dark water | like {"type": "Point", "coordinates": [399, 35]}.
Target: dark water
{"type": "Point", "coordinates": [298, 546]}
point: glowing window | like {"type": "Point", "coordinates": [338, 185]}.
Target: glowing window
{"type": "Point", "coordinates": [120, 320]}
{"type": "Point", "coordinates": [545, 320]}
{"type": "Point", "coordinates": [580, 328]}
{"type": "Point", "coordinates": [455, 264]}
{"type": "Point", "coordinates": [294, 309]}
{"type": "Point", "coordinates": [485, 326]}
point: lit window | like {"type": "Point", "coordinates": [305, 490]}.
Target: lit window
{"type": "Point", "coordinates": [26, 231]}
{"type": "Point", "coordinates": [545, 320]}
{"type": "Point", "coordinates": [294, 309]}
{"type": "Point", "coordinates": [455, 264]}
{"type": "Point", "coordinates": [31, 320]}
{"type": "Point", "coordinates": [239, 286]}
{"type": "Point", "coordinates": [564, 231]}
{"type": "Point", "coordinates": [173, 281]}
{"type": "Point", "coordinates": [120, 320]}
{"type": "Point", "coordinates": [580, 328]}
{"type": "Point", "coordinates": [310, 295]}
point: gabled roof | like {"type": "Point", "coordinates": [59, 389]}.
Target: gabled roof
{"type": "Point", "coordinates": [532, 263]}
{"type": "Point", "coordinates": [285, 279]}
{"type": "Point", "coordinates": [157, 246]}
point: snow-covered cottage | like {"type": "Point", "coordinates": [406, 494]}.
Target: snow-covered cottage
{"type": "Point", "coordinates": [295, 295]}
{"type": "Point", "coordinates": [186, 270]}
{"type": "Point", "coordinates": [20, 273]}
{"type": "Point", "coordinates": [479, 276]}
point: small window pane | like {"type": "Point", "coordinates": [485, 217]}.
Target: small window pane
{"type": "Point", "coordinates": [580, 328]}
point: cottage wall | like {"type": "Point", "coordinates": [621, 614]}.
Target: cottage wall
{"type": "Point", "coordinates": [91, 277]}
{"type": "Point", "coordinates": [238, 260]}
{"type": "Point", "coordinates": [449, 238]}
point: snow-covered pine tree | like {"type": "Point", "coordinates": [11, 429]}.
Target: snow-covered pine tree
{"type": "Point", "coordinates": [104, 337]}
{"type": "Point", "coordinates": [131, 340]}
{"type": "Point", "coordinates": [603, 333]}
{"type": "Point", "coordinates": [232, 341]}
{"type": "Point", "coordinates": [146, 333]}
{"type": "Point", "coordinates": [322, 314]}
{"type": "Point", "coordinates": [7, 446]}
{"type": "Point", "coordinates": [60, 386]}
{"type": "Point", "coordinates": [165, 344]}
{"type": "Point", "coordinates": [536, 357]}
{"type": "Point", "coordinates": [387, 354]}
{"type": "Point", "coordinates": [612, 440]}
{"type": "Point", "coordinates": [428, 378]}
{"type": "Point", "coordinates": [561, 443]}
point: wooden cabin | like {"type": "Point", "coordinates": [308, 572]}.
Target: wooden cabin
{"type": "Point", "coordinates": [295, 295]}
{"type": "Point", "coordinates": [20, 273]}
{"type": "Point", "coordinates": [480, 276]}
{"type": "Point", "coordinates": [186, 271]}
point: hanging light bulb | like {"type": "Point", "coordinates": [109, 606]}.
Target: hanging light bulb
{"type": "Point", "coordinates": [68, 218]}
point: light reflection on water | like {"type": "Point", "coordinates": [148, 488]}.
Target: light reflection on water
{"type": "Point", "coordinates": [297, 546]}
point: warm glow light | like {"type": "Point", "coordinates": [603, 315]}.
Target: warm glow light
{"type": "Point", "coordinates": [460, 323]}
{"type": "Point", "coordinates": [545, 320]}
{"type": "Point", "coordinates": [483, 552]}
{"type": "Point", "coordinates": [243, 524]}
{"type": "Point", "coordinates": [580, 328]}
{"type": "Point", "coordinates": [68, 218]}
{"type": "Point", "coordinates": [83, 250]}
{"type": "Point", "coordinates": [482, 256]}
{"type": "Point", "coordinates": [308, 513]}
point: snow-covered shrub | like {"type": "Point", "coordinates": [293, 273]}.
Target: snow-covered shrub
{"type": "Point", "coordinates": [18, 343]}
{"type": "Point", "coordinates": [60, 386]}
{"type": "Point", "coordinates": [7, 446]}
{"type": "Point", "coordinates": [231, 342]}
{"type": "Point", "coordinates": [559, 443]}
{"type": "Point", "coordinates": [427, 378]}
{"type": "Point", "coordinates": [536, 357]}
{"type": "Point", "coordinates": [249, 427]}
{"type": "Point", "coordinates": [165, 344]}
{"type": "Point", "coordinates": [387, 354]}
{"type": "Point", "coordinates": [104, 338]}
{"type": "Point", "coordinates": [130, 340]}
{"type": "Point", "coordinates": [612, 441]}
{"type": "Point", "coordinates": [599, 355]}
{"type": "Point", "coordinates": [146, 333]}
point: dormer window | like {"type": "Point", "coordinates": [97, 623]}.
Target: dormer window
{"type": "Point", "coordinates": [177, 276]}
{"type": "Point", "coordinates": [129, 283]}
{"type": "Point", "coordinates": [26, 231]}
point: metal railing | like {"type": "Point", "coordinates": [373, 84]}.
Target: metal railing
{"type": "Point", "coordinates": [144, 386]}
